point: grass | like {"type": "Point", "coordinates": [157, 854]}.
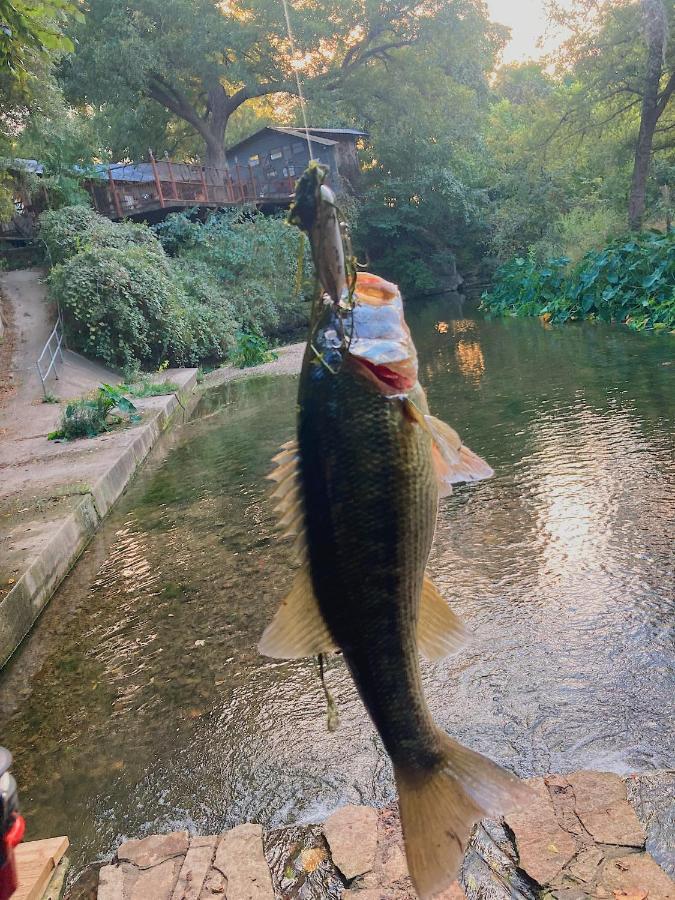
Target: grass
{"type": "Point", "coordinates": [145, 387]}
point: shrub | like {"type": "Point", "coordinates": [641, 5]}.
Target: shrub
{"type": "Point", "coordinates": [90, 416]}
{"type": "Point", "coordinates": [632, 281]}
{"type": "Point", "coordinates": [251, 350]}
{"type": "Point", "coordinates": [69, 230]}
{"type": "Point", "coordinates": [251, 259]}
{"type": "Point", "coordinates": [120, 306]}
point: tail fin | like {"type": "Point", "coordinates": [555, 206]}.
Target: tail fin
{"type": "Point", "coordinates": [438, 810]}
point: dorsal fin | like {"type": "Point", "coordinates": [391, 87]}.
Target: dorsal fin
{"type": "Point", "coordinates": [298, 629]}
{"type": "Point", "coordinates": [440, 632]}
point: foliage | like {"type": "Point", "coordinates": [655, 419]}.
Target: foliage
{"type": "Point", "coordinates": [69, 230]}
{"type": "Point", "coordinates": [630, 281]}
{"type": "Point", "coordinates": [200, 61]}
{"type": "Point", "coordinates": [91, 416]}
{"type": "Point", "coordinates": [29, 26]}
{"type": "Point", "coordinates": [146, 387]}
{"type": "Point", "coordinates": [251, 349]}
{"type": "Point", "coordinates": [250, 258]}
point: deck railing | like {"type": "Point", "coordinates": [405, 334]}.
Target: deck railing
{"type": "Point", "coordinates": [161, 184]}
{"type": "Point", "coordinates": [51, 350]}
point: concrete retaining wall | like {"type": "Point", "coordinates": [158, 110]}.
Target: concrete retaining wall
{"type": "Point", "coordinates": [68, 536]}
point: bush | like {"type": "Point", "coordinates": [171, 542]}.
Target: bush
{"type": "Point", "coordinates": [90, 416]}
{"type": "Point", "coordinates": [250, 258]}
{"type": "Point", "coordinates": [251, 350]}
{"type": "Point", "coordinates": [67, 231]}
{"type": "Point", "coordinates": [631, 281]}
{"type": "Point", "coordinates": [121, 306]}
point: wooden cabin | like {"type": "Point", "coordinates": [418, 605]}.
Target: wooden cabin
{"type": "Point", "coordinates": [277, 156]}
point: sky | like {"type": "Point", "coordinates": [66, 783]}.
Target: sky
{"type": "Point", "coordinates": [527, 20]}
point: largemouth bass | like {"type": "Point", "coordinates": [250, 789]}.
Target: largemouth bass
{"type": "Point", "coordinates": [359, 489]}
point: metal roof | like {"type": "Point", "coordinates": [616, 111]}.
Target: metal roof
{"type": "Point", "coordinates": [299, 132]}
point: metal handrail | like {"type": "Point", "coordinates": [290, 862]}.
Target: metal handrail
{"type": "Point", "coordinates": [57, 334]}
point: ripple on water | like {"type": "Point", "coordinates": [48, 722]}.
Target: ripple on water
{"type": "Point", "coordinates": [144, 705]}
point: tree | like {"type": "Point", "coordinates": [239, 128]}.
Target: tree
{"type": "Point", "coordinates": [202, 60]}
{"type": "Point", "coordinates": [32, 25]}
{"type": "Point", "coordinates": [624, 64]}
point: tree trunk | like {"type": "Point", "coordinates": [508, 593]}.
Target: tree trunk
{"type": "Point", "coordinates": [656, 25]}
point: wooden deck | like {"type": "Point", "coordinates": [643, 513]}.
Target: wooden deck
{"type": "Point", "coordinates": [35, 863]}
{"type": "Point", "coordinates": [137, 189]}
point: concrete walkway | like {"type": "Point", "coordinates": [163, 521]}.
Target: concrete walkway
{"type": "Point", "coordinates": [584, 835]}
{"type": "Point", "coordinates": [22, 412]}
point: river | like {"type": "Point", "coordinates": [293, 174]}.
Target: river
{"type": "Point", "coordinates": [139, 703]}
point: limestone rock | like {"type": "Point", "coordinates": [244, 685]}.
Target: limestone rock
{"type": "Point", "coordinates": [241, 860]}
{"type": "Point", "coordinates": [351, 833]}
{"type": "Point", "coordinates": [544, 848]}
{"type": "Point", "coordinates": [111, 883]}
{"type": "Point", "coordinates": [195, 868]}
{"type": "Point", "coordinates": [602, 806]}
{"type": "Point", "coordinates": [151, 851]}
{"type": "Point", "coordinates": [634, 874]}
{"type": "Point", "coordinates": [157, 882]}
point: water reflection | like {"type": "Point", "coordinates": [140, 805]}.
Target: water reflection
{"type": "Point", "coordinates": [141, 704]}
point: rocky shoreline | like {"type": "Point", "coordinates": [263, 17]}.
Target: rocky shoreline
{"type": "Point", "coordinates": [586, 834]}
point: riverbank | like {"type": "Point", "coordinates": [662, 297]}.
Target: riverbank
{"type": "Point", "coordinates": [586, 834]}
{"type": "Point", "coordinates": [54, 495]}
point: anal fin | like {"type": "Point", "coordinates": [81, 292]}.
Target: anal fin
{"type": "Point", "coordinates": [440, 632]}
{"type": "Point", "coordinates": [298, 629]}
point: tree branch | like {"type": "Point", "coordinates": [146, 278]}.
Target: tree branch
{"type": "Point", "coordinates": [665, 94]}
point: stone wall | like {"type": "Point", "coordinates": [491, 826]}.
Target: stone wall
{"type": "Point", "coordinates": [586, 834]}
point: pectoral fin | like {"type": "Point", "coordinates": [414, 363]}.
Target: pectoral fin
{"type": "Point", "coordinates": [298, 628]}
{"type": "Point", "coordinates": [440, 632]}
{"type": "Point", "coordinates": [453, 461]}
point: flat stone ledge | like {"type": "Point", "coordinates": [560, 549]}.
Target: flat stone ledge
{"type": "Point", "coordinates": [553, 851]}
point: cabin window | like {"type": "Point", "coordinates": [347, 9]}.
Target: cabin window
{"type": "Point", "coordinates": [276, 154]}
{"type": "Point", "coordinates": [254, 160]}
{"type": "Point", "coordinates": [298, 147]}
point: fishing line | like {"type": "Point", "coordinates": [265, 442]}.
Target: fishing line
{"type": "Point", "coordinates": [303, 106]}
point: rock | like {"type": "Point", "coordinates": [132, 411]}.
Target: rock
{"type": "Point", "coordinates": [111, 883]}
{"type": "Point", "coordinates": [195, 868]}
{"type": "Point", "coordinates": [300, 864]}
{"type": "Point", "coordinates": [454, 892]}
{"type": "Point", "coordinates": [544, 848]}
{"type": "Point", "coordinates": [636, 873]}
{"type": "Point", "coordinates": [351, 833]}
{"type": "Point", "coordinates": [241, 860]}
{"type": "Point", "coordinates": [157, 882]}
{"type": "Point", "coordinates": [395, 867]}
{"type": "Point", "coordinates": [367, 894]}
{"type": "Point", "coordinates": [652, 796]}
{"type": "Point", "coordinates": [586, 865]}
{"type": "Point", "coordinates": [602, 806]}
{"type": "Point", "coordinates": [151, 851]}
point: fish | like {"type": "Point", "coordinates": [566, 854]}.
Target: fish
{"type": "Point", "coordinates": [358, 490]}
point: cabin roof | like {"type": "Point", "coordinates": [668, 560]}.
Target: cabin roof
{"type": "Point", "coordinates": [317, 135]}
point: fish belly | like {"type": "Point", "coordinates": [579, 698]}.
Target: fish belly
{"type": "Point", "coordinates": [370, 507]}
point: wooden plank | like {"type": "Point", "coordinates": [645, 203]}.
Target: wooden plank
{"type": "Point", "coordinates": [35, 863]}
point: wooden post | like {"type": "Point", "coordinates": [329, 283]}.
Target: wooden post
{"type": "Point", "coordinates": [252, 180]}
{"type": "Point", "coordinates": [172, 179]}
{"type": "Point", "coordinates": [158, 183]}
{"type": "Point", "coordinates": [116, 199]}
{"type": "Point", "coordinates": [205, 186]}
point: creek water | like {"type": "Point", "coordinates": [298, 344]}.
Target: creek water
{"type": "Point", "coordinates": [139, 703]}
